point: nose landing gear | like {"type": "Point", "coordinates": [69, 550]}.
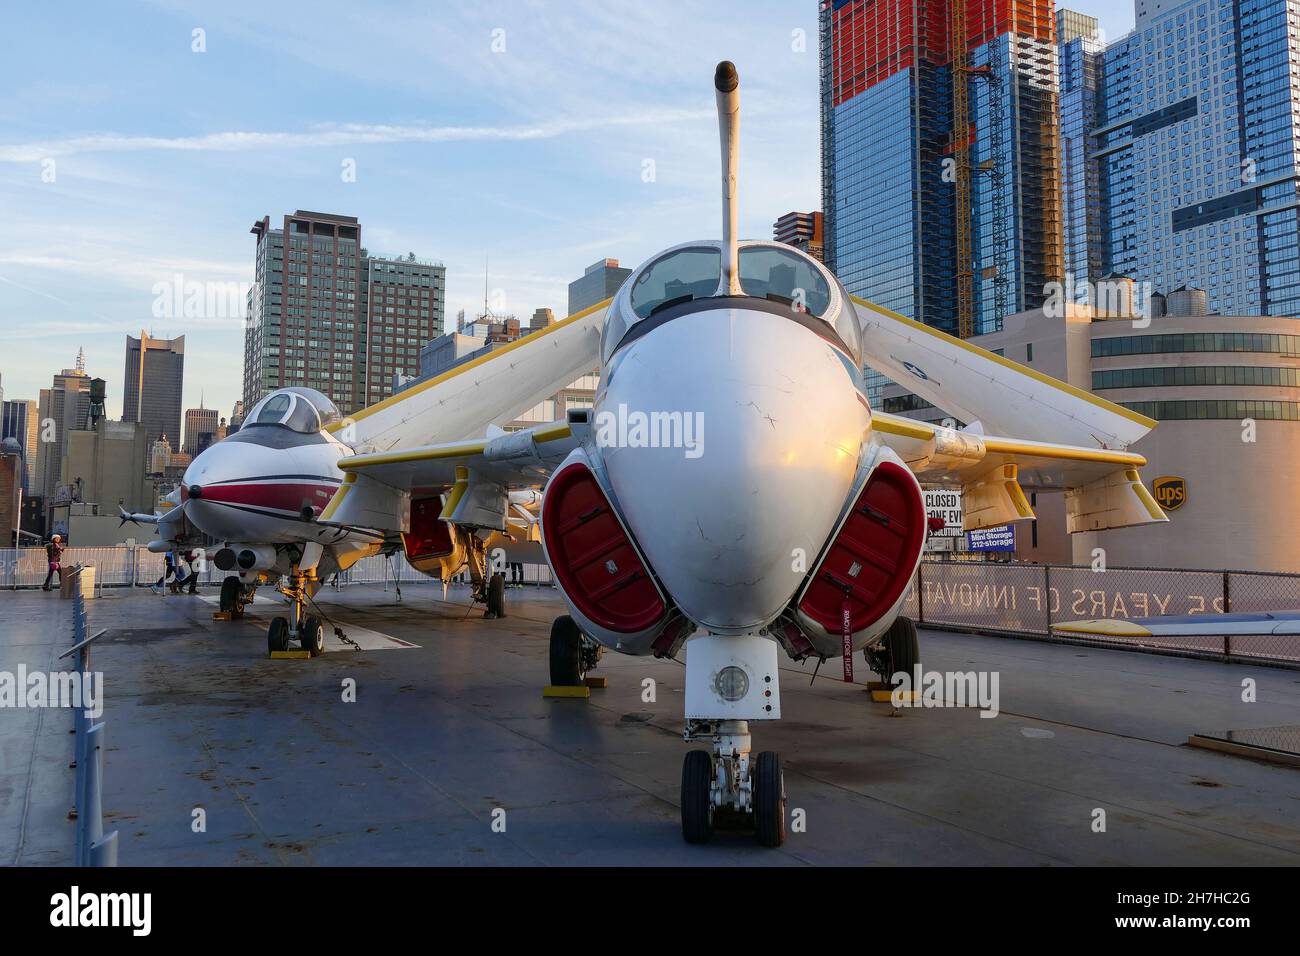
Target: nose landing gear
{"type": "Point", "coordinates": [300, 626]}
{"type": "Point", "coordinates": [731, 783]}
{"type": "Point", "coordinates": [731, 680]}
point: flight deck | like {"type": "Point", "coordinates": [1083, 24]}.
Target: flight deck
{"type": "Point", "coordinates": [449, 754]}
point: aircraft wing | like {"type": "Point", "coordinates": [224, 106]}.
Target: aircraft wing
{"type": "Point", "coordinates": [975, 385]}
{"type": "Point", "coordinates": [495, 387]}
{"type": "Point", "coordinates": [478, 474]}
{"type": "Point", "coordinates": [1102, 487]}
{"type": "Point", "coordinates": [1186, 625]}
{"type": "Point", "coordinates": [516, 459]}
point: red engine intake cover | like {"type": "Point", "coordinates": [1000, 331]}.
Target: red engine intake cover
{"type": "Point", "coordinates": [593, 557]}
{"type": "Point", "coordinates": [430, 536]}
{"type": "Point", "coordinates": [873, 554]}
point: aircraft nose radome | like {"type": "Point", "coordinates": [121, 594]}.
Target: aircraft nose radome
{"type": "Point", "coordinates": [732, 523]}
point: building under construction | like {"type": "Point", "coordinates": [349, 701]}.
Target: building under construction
{"type": "Point", "coordinates": [940, 156]}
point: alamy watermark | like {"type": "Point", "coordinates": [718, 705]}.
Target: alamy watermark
{"type": "Point", "coordinates": [637, 429]}
{"type": "Point", "coordinates": [1107, 297]}
{"type": "Point", "coordinates": [179, 298]}
{"type": "Point", "coordinates": [946, 689]}
{"type": "Point", "coordinates": [24, 688]}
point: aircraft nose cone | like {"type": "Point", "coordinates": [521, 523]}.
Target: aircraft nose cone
{"type": "Point", "coordinates": [733, 517]}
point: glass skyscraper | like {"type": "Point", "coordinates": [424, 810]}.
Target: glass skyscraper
{"type": "Point", "coordinates": [892, 225]}
{"type": "Point", "coordinates": [1080, 50]}
{"type": "Point", "coordinates": [1198, 145]}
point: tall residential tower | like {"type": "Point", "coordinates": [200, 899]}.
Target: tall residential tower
{"type": "Point", "coordinates": [325, 314]}
{"type": "Point", "coordinates": [955, 227]}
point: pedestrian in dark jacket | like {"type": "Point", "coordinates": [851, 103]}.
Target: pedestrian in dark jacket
{"type": "Point", "coordinates": [54, 557]}
{"type": "Point", "coordinates": [168, 572]}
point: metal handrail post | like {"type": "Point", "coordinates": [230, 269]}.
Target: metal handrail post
{"type": "Point", "coordinates": [90, 826]}
{"type": "Point", "coordinates": [104, 853]}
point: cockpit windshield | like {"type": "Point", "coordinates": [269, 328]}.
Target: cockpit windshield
{"type": "Point", "coordinates": [302, 410]}
{"type": "Point", "coordinates": [771, 273]}
{"type": "Point", "coordinates": [680, 276]}
{"type": "Point", "coordinates": [693, 272]}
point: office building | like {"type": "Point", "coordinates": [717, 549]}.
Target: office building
{"type": "Point", "coordinates": [1198, 146]}
{"type": "Point", "coordinates": [325, 314]}
{"type": "Point", "coordinates": [541, 319]}
{"type": "Point", "coordinates": [63, 408]}
{"type": "Point", "coordinates": [160, 455]}
{"type": "Point", "coordinates": [108, 465]}
{"type": "Point", "coordinates": [803, 230]}
{"type": "Point", "coordinates": [1080, 55]}
{"type": "Point", "coordinates": [1225, 391]}
{"type": "Point", "coordinates": [155, 372]}
{"type": "Point", "coordinates": [403, 303]}
{"type": "Point", "coordinates": [20, 423]}
{"type": "Point", "coordinates": [198, 421]}
{"type": "Point", "coordinates": [600, 281]}
{"type": "Point", "coordinates": [11, 490]}
{"type": "Point", "coordinates": [954, 230]}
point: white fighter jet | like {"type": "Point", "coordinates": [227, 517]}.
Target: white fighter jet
{"type": "Point", "coordinates": [260, 500]}
{"type": "Point", "coordinates": [732, 496]}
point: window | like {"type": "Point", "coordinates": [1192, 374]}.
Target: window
{"type": "Point", "coordinates": [681, 275]}
{"type": "Point", "coordinates": [766, 272]}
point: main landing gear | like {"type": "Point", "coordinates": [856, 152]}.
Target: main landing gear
{"type": "Point", "coordinates": [486, 588]}
{"type": "Point", "coordinates": [573, 654]}
{"type": "Point", "coordinates": [235, 596]}
{"type": "Point", "coordinates": [729, 783]}
{"type": "Point", "coordinates": [300, 626]}
{"type": "Point", "coordinates": [898, 651]}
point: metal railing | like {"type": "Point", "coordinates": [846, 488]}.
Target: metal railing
{"type": "Point", "coordinates": [1023, 600]}
{"type": "Point", "coordinates": [1028, 600]}
{"type": "Point", "coordinates": [127, 566]}
{"type": "Point", "coordinates": [91, 847]}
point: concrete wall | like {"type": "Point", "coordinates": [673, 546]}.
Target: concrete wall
{"type": "Point", "coordinates": [111, 462]}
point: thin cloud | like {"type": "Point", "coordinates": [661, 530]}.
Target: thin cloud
{"type": "Point", "coordinates": [345, 134]}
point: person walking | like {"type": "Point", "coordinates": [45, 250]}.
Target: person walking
{"type": "Point", "coordinates": [54, 557]}
{"type": "Point", "coordinates": [180, 571]}
{"type": "Point", "coordinates": [168, 572]}
{"type": "Point", "coordinates": [191, 560]}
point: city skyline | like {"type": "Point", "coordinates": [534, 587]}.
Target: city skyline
{"type": "Point", "coordinates": [542, 167]}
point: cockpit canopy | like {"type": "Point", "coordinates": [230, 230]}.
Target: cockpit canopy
{"type": "Point", "coordinates": [302, 410]}
{"type": "Point", "coordinates": [768, 270]}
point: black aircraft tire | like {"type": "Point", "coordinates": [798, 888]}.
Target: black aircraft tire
{"type": "Point", "coordinates": [230, 588]}
{"type": "Point", "coordinates": [769, 799]}
{"type": "Point", "coordinates": [313, 635]}
{"type": "Point", "coordinates": [697, 779]}
{"type": "Point", "coordinates": [496, 596]}
{"type": "Point", "coordinates": [903, 648]}
{"type": "Point", "coordinates": [277, 634]}
{"type": "Point", "coordinates": [566, 652]}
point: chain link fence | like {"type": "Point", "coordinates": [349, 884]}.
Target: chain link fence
{"type": "Point", "coordinates": [1029, 599]}
{"type": "Point", "coordinates": [1012, 599]}
{"type": "Point", "coordinates": [126, 566]}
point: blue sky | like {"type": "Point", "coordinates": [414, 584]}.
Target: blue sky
{"type": "Point", "coordinates": [533, 156]}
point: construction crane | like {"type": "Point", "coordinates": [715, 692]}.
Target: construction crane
{"type": "Point", "coordinates": [961, 168]}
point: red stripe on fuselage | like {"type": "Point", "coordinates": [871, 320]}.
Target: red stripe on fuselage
{"type": "Point", "coordinates": [282, 496]}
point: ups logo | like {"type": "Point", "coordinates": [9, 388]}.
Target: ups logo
{"type": "Point", "coordinates": [1170, 492]}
